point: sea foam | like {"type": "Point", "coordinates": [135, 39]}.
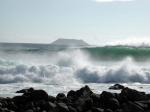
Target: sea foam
{"type": "Point", "coordinates": [72, 67]}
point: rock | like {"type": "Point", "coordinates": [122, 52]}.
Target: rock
{"type": "Point", "coordinates": [29, 110]}
{"type": "Point", "coordinates": [49, 106]}
{"type": "Point", "coordinates": [133, 95]}
{"type": "Point", "coordinates": [20, 99]}
{"type": "Point", "coordinates": [71, 95]}
{"type": "Point", "coordinates": [108, 110]}
{"type": "Point", "coordinates": [82, 100]}
{"type": "Point", "coordinates": [25, 90]}
{"type": "Point", "coordinates": [51, 99]}
{"type": "Point", "coordinates": [39, 95]}
{"type": "Point", "coordinates": [132, 107]}
{"type": "Point", "coordinates": [72, 109]}
{"type": "Point", "coordinates": [144, 105]}
{"type": "Point", "coordinates": [61, 98]}
{"type": "Point", "coordinates": [84, 92]}
{"type": "Point", "coordinates": [105, 97]}
{"type": "Point", "coordinates": [113, 104]}
{"type": "Point", "coordinates": [62, 107]}
{"type": "Point", "coordinates": [96, 99]}
{"type": "Point", "coordinates": [117, 87]}
{"type": "Point", "coordinates": [97, 110]}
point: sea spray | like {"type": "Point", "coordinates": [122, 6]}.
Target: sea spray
{"type": "Point", "coordinates": [71, 67]}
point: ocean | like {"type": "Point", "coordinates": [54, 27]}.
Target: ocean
{"type": "Point", "coordinates": [59, 69]}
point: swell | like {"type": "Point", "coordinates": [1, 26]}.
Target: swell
{"type": "Point", "coordinates": [105, 53]}
{"type": "Point", "coordinates": [118, 53]}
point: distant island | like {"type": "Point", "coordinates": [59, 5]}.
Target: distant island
{"type": "Point", "coordinates": [69, 42]}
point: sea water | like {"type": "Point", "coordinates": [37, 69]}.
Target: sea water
{"type": "Point", "coordinates": [59, 69]}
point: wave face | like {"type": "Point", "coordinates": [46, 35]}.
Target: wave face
{"type": "Point", "coordinates": [63, 66]}
{"type": "Point", "coordinates": [119, 53]}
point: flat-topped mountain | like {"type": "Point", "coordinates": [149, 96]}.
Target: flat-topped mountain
{"type": "Point", "coordinates": [69, 42]}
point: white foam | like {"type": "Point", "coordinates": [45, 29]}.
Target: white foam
{"type": "Point", "coordinates": [73, 67]}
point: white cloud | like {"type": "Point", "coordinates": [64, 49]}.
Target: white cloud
{"type": "Point", "coordinates": [114, 0]}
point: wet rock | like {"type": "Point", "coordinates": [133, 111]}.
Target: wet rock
{"type": "Point", "coordinates": [82, 100]}
{"type": "Point", "coordinates": [132, 107]}
{"type": "Point", "coordinates": [117, 87]}
{"type": "Point", "coordinates": [72, 109]}
{"type": "Point", "coordinates": [96, 99]}
{"type": "Point", "coordinates": [39, 95]}
{"type": "Point", "coordinates": [113, 104]}
{"type": "Point", "coordinates": [25, 90]}
{"type": "Point", "coordinates": [71, 95]}
{"type": "Point", "coordinates": [108, 110]}
{"type": "Point", "coordinates": [97, 110]}
{"type": "Point", "coordinates": [133, 95]}
{"type": "Point", "coordinates": [51, 99]}
{"type": "Point", "coordinates": [62, 107]}
{"type": "Point", "coordinates": [84, 92]}
{"type": "Point", "coordinates": [105, 97]}
{"type": "Point", "coordinates": [29, 110]}
{"type": "Point", "coordinates": [61, 98]}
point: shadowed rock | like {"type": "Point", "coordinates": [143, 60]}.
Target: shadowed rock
{"type": "Point", "coordinates": [82, 100]}
{"type": "Point", "coordinates": [117, 87]}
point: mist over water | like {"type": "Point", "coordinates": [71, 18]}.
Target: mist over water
{"type": "Point", "coordinates": [73, 67]}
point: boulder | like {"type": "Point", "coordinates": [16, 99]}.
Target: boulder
{"type": "Point", "coordinates": [61, 97]}
{"type": "Point", "coordinates": [38, 95]}
{"type": "Point", "coordinates": [133, 95]}
{"type": "Point", "coordinates": [62, 107]}
{"type": "Point", "coordinates": [117, 87]}
{"type": "Point", "coordinates": [25, 90]}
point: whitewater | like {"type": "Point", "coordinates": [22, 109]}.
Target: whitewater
{"type": "Point", "coordinates": [60, 69]}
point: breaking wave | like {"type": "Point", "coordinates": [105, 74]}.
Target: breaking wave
{"type": "Point", "coordinates": [73, 67]}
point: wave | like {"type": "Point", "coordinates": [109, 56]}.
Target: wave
{"type": "Point", "coordinates": [126, 72]}
{"type": "Point", "coordinates": [103, 53]}
{"type": "Point", "coordinates": [119, 53]}
{"type": "Point", "coordinates": [73, 67]}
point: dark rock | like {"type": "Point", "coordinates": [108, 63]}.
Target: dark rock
{"type": "Point", "coordinates": [25, 90]}
{"type": "Point", "coordinates": [96, 99]}
{"type": "Point", "coordinates": [97, 110]}
{"type": "Point", "coordinates": [71, 95]}
{"type": "Point", "coordinates": [62, 107]}
{"type": "Point", "coordinates": [132, 107]}
{"type": "Point", "coordinates": [82, 100]}
{"type": "Point", "coordinates": [105, 97]}
{"type": "Point", "coordinates": [144, 105]}
{"type": "Point", "coordinates": [117, 87]}
{"type": "Point", "coordinates": [72, 109]}
{"type": "Point", "coordinates": [84, 92]}
{"type": "Point", "coordinates": [49, 106]}
{"type": "Point", "coordinates": [133, 95]}
{"type": "Point", "coordinates": [61, 98]}
{"type": "Point", "coordinates": [51, 99]}
{"type": "Point", "coordinates": [29, 105]}
{"type": "Point", "coordinates": [39, 95]}
{"type": "Point", "coordinates": [108, 110]}
{"type": "Point", "coordinates": [20, 99]}
{"type": "Point", "coordinates": [29, 110]}
{"type": "Point", "coordinates": [113, 104]}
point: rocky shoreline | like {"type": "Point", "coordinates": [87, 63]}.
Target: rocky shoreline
{"type": "Point", "coordinates": [82, 100]}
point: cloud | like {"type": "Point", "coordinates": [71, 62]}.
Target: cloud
{"type": "Point", "coordinates": [114, 0]}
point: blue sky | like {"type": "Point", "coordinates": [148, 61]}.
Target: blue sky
{"type": "Point", "coordinates": [95, 21]}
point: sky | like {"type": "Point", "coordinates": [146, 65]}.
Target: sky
{"type": "Point", "coordinates": [95, 21]}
